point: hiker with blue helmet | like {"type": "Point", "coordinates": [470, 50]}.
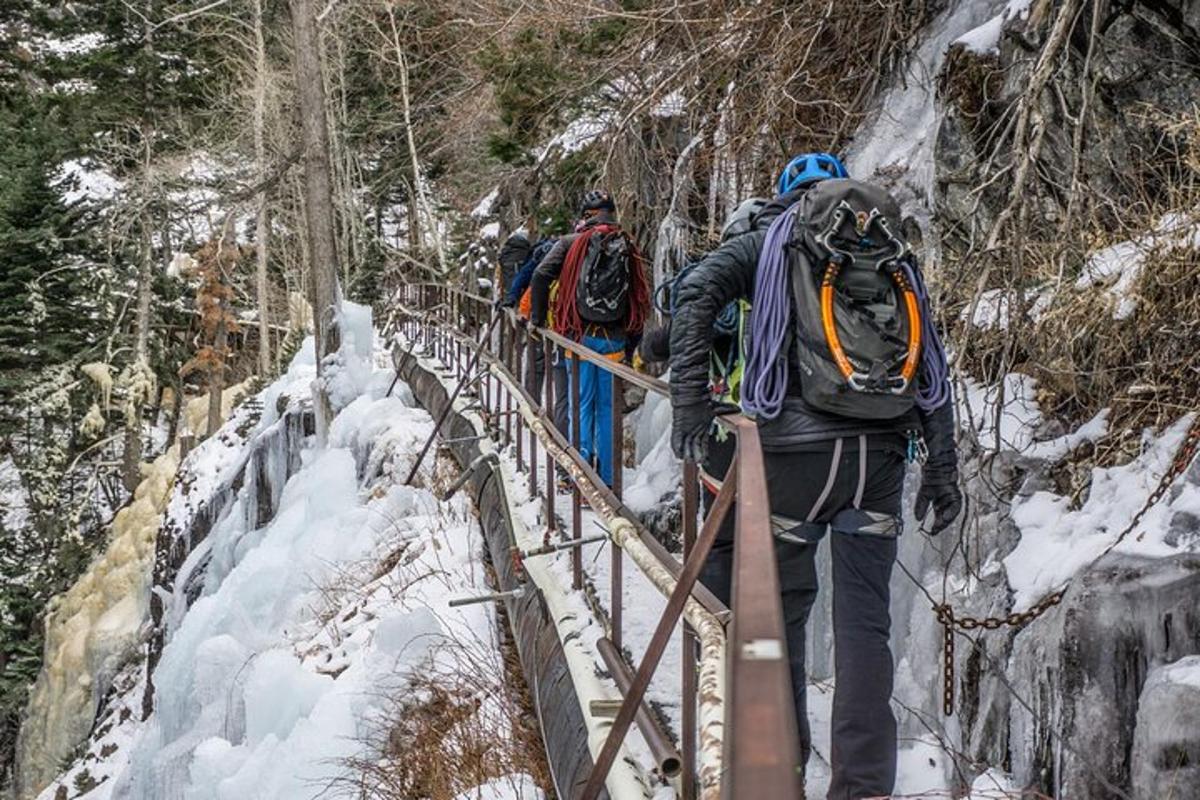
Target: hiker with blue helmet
{"type": "Point", "coordinates": [847, 381]}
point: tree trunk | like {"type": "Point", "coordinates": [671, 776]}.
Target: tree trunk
{"type": "Point", "coordinates": [424, 208]}
{"type": "Point", "coordinates": [323, 291]}
{"type": "Point", "coordinates": [131, 457]}
{"type": "Point", "coordinates": [262, 229]}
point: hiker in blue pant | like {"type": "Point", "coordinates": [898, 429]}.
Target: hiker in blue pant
{"type": "Point", "coordinates": [602, 302]}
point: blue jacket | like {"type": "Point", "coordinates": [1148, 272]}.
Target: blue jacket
{"type": "Point", "coordinates": [524, 275]}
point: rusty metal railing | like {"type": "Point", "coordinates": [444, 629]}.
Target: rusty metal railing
{"type": "Point", "coordinates": [743, 747]}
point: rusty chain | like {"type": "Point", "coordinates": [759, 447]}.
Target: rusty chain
{"type": "Point", "coordinates": [950, 621]}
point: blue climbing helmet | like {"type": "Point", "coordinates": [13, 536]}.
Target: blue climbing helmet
{"type": "Point", "coordinates": [810, 168]}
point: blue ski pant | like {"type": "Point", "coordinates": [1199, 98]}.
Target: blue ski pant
{"type": "Point", "coordinates": [595, 406]}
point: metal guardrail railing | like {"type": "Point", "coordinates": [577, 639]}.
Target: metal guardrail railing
{"type": "Point", "coordinates": [743, 747]}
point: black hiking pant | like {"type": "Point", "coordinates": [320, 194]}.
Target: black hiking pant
{"type": "Point", "coordinates": [831, 488]}
{"type": "Point", "coordinates": [535, 373]}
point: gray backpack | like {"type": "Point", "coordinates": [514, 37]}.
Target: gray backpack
{"type": "Point", "coordinates": [857, 321]}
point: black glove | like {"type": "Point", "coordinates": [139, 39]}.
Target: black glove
{"type": "Point", "coordinates": [939, 488]}
{"type": "Point", "coordinates": [690, 425]}
{"type": "Point", "coordinates": [939, 476]}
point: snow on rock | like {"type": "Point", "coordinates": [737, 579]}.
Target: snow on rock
{"type": "Point", "coordinates": [85, 181]}
{"type": "Point", "coordinates": [994, 783]}
{"type": "Point", "coordinates": [1167, 733]}
{"type": "Point", "coordinates": [579, 133]}
{"type": "Point", "coordinates": [485, 206]}
{"type": "Point", "coordinates": [1116, 269]}
{"type": "Point", "coordinates": [1007, 414]}
{"type": "Point", "coordinates": [1007, 418]}
{"type": "Point", "coordinates": [490, 231]}
{"type": "Point", "coordinates": [1058, 540]}
{"type": "Point", "coordinates": [995, 308]}
{"type": "Point", "coordinates": [672, 105]}
{"type": "Point", "coordinates": [985, 39]}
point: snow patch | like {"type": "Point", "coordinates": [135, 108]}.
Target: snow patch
{"type": "Point", "coordinates": [995, 308]}
{"type": "Point", "coordinates": [985, 39]}
{"type": "Point", "coordinates": [673, 105]}
{"type": "Point", "coordinates": [1116, 269]}
{"type": "Point", "coordinates": [486, 205]}
{"type": "Point", "coordinates": [85, 181]}
{"type": "Point", "coordinates": [80, 44]}
{"type": "Point", "coordinates": [1057, 540]}
{"type": "Point", "coordinates": [579, 133]}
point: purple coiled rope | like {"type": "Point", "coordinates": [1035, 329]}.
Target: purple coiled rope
{"type": "Point", "coordinates": [933, 376]}
{"type": "Point", "coordinates": [764, 382]}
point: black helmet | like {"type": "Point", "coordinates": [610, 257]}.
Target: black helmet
{"type": "Point", "coordinates": [597, 200]}
{"type": "Point", "coordinates": [742, 219]}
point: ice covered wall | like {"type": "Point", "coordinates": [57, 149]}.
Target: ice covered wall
{"type": "Point", "coordinates": [307, 585]}
{"type": "Point", "coordinates": [95, 628]}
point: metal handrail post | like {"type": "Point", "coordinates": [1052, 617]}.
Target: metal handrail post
{"type": "Point", "coordinates": [617, 444]}
{"type": "Point", "coordinates": [759, 698]}
{"type": "Point", "coordinates": [687, 734]}
{"type": "Point", "coordinates": [548, 394]}
{"type": "Point", "coordinates": [531, 368]}
{"type": "Point", "coordinates": [576, 495]}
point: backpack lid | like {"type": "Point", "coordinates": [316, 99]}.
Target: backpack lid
{"type": "Point", "coordinates": [852, 219]}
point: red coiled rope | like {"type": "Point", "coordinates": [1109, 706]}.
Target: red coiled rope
{"type": "Point", "coordinates": [566, 314]}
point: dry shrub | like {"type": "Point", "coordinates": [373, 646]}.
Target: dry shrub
{"type": "Point", "coordinates": [1146, 367]}
{"type": "Point", "coordinates": [445, 731]}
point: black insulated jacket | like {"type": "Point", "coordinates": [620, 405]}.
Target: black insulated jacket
{"type": "Point", "coordinates": [728, 273]}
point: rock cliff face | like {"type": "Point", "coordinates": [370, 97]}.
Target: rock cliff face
{"type": "Point", "coordinates": [1014, 128]}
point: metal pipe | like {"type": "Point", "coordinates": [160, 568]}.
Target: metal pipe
{"type": "Point", "coordinates": [665, 754]}
{"type": "Point", "coordinates": [511, 594]}
{"type": "Point", "coordinates": [462, 479]}
{"type": "Point", "coordinates": [576, 497]}
{"type": "Point", "coordinates": [548, 393]}
{"type": "Point", "coordinates": [558, 547]}
{"type": "Point", "coordinates": [617, 445]}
